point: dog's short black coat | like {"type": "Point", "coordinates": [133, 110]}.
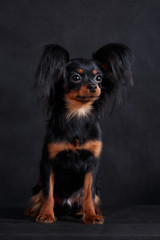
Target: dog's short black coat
{"type": "Point", "coordinates": [73, 93]}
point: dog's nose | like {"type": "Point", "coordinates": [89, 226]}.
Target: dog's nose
{"type": "Point", "coordinates": [92, 87]}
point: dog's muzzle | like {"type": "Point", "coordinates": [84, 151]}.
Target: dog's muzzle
{"type": "Point", "coordinates": [92, 87]}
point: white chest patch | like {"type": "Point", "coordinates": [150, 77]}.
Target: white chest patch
{"type": "Point", "coordinates": [82, 111]}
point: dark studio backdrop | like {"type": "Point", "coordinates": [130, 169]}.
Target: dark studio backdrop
{"type": "Point", "coordinates": [130, 166]}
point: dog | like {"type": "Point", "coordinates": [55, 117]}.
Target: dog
{"type": "Point", "coordinates": [73, 93]}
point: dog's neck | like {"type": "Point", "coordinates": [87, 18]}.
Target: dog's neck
{"type": "Point", "coordinates": [78, 109]}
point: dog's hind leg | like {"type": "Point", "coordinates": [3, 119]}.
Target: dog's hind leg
{"type": "Point", "coordinates": [36, 202]}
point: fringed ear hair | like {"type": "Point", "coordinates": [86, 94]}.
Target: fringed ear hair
{"type": "Point", "coordinates": [50, 71]}
{"type": "Point", "coordinates": [116, 61]}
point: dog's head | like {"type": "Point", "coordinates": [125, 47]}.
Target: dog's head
{"type": "Point", "coordinates": [81, 82]}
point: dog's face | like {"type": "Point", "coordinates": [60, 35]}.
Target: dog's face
{"type": "Point", "coordinates": [83, 81]}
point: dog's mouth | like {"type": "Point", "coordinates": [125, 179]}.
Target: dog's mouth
{"type": "Point", "coordinates": [86, 98]}
{"type": "Point", "coordinates": [83, 95]}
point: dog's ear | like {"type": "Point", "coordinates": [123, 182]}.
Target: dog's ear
{"type": "Point", "coordinates": [50, 72]}
{"type": "Point", "coordinates": [116, 62]}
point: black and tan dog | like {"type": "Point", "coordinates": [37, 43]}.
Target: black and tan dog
{"type": "Point", "coordinates": [73, 93]}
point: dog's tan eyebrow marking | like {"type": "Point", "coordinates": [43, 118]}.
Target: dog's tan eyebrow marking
{"type": "Point", "coordinates": [95, 71]}
{"type": "Point", "coordinates": [80, 70]}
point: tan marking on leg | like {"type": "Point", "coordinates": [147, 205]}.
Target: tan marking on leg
{"type": "Point", "coordinates": [97, 204]}
{"type": "Point", "coordinates": [46, 214]}
{"type": "Point", "coordinates": [89, 214]}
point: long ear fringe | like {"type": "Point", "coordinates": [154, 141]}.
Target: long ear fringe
{"type": "Point", "coordinates": [116, 62]}
{"type": "Point", "coordinates": [49, 72]}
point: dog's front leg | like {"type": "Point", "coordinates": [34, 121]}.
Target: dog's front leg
{"type": "Point", "coordinates": [89, 214]}
{"type": "Point", "coordinates": [46, 214]}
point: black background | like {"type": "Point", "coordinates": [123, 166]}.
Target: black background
{"type": "Point", "coordinates": [131, 153]}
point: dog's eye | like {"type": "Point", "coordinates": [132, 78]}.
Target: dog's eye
{"type": "Point", "coordinates": [98, 78]}
{"type": "Point", "coordinates": [75, 78]}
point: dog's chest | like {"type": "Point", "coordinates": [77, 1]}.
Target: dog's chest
{"type": "Point", "coordinates": [80, 131]}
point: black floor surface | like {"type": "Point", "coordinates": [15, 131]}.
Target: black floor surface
{"type": "Point", "coordinates": [125, 222]}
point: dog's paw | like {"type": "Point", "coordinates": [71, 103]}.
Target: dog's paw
{"type": "Point", "coordinates": [93, 219]}
{"type": "Point", "coordinates": [45, 218]}
{"type": "Point", "coordinates": [98, 212]}
{"type": "Point", "coordinates": [31, 212]}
